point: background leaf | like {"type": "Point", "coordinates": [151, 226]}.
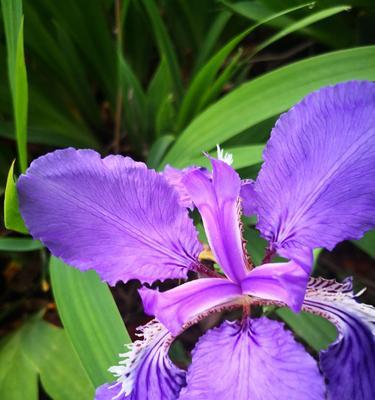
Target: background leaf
{"type": "Point", "coordinates": [90, 318]}
{"type": "Point", "coordinates": [266, 96]}
{"type": "Point", "coordinates": [367, 243]}
{"type": "Point", "coordinates": [13, 23]}
{"type": "Point", "coordinates": [12, 216]}
{"type": "Point", "coordinates": [19, 244]}
{"type": "Point", "coordinates": [18, 378]}
{"type": "Point", "coordinates": [165, 46]}
{"type": "Point", "coordinates": [316, 331]}
{"type": "Point", "coordinates": [51, 353]}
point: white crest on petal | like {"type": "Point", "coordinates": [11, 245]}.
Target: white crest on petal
{"type": "Point", "coordinates": [348, 362]}
{"type": "Point", "coordinates": [226, 157]}
{"type": "Point", "coordinates": [155, 335]}
{"type": "Point", "coordinates": [328, 291]}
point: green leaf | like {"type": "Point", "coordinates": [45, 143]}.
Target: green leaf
{"type": "Point", "coordinates": [258, 10]}
{"type": "Point", "coordinates": [51, 353]}
{"type": "Point", "coordinates": [165, 46]}
{"type": "Point", "coordinates": [12, 216]}
{"type": "Point", "coordinates": [158, 150]}
{"type": "Point", "coordinates": [90, 318]}
{"type": "Point", "coordinates": [223, 78]}
{"type": "Point", "coordinates": [316, 331]}
{"type": "Point", "coordinates": [13, 22]}
{"type": "Point", "coordinates": [21, 102]}
{"type": "Point", "coordinates": [158, 89]}
{"type": "Point", "coordinates": [267, 96]}
{"type": "Point", "coordinates": [367, 243]}
{"type": "Point", "coordinates": [165, 116]}
{"type": "Point", "coordinates": [12, 19]}
{"type": "Point", "coordinates": [256, 245]}
{"type": "Point", "coordinates": [134, 101]}
{"type": "Point", "coordinates": [234, 65]}
{"type": "Point", "coordinates": [89, 28]}
{"type": "Point", "coordinates": [206, 75]}
{"type": "Point", "coordinates": [19, 244]}
{"type": "Point", "coordinates": [211, 38]}
{"type": "Point", "coordinates": [300, 24]}
{"type": "Point", "coordinates": [18, 378]}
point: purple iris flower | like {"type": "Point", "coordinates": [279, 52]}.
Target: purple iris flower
{"type": "Point", "coordinates": [315, 189]}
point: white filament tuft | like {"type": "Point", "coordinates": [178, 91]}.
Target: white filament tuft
{"type": "Point", "coordinates": [226, 157]}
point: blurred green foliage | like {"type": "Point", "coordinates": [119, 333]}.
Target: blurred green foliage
{"type": "Point", "coordinates": [161, 81]}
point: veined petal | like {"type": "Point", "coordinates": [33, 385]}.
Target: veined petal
{"type": "Point", "coordinates": [174, 177]}
{"type": "Point", "coordinates": [257, 360]}
{"type": "Point", "coordinates": [349, 362]}
{"type": "Point", "coordinates": [247, 194]}
{"type": "Point", "coordinates": [109, 391]}
{"type": "Point", "coordinates": [146, 373]}
{"type": "Point", "coordinates": [183, 304]}
{"type": "Point", "coordinates": [285, 282]}
{"type": "Point", "coordinates": [218, 203]}
{"type": "Point", "coordinates": [316, 186]}
{"type": "Point", "coordinates": [112, 215]}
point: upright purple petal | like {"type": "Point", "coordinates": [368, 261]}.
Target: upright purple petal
{"type": "Point", "coordinates": [146, 373]}
{"type": "Point", "coordinates": [349, 363]}
{"type": "Point", "coordinates": [183, 304]}
{"type": "Point", "coordinates": [316, 187]}
{"type": "Point", "coordinates": [218, 203]}
{"type": "Point", "coordinates": [112, 215]}
{"type": "Point", "coordinates": [257, 360]}
{"type": "Point", "coordinates": [284, 282]}
{"type": "Point", "coordinates": [247, 194]}
{"type": "Point", "coordinates": [175, 176]}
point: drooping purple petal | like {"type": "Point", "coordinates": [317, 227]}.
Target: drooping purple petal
{"type": "Point", "coordinates": [218, 203]}
{"type": "Point", "coordinates": [349, 363]}
{"type": "Point", "coordinates": [316, 186]}
{"type": "Point", "coordinates": [146, 373]}
{"type": "Point", "coordinates": [181, 305]}
{"type": "Point", "coordinates": [257, 360]}
{"type": "Point", "coordinates": [285, 282]}
{"type": "Point", "coordinates": [109, 391]}
{"type": "Point", "coordinates": [112, 215]}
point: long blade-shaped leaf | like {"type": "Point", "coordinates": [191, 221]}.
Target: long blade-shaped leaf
{"type": "Point", "coordinates": [90, 318]}
{"type": "Point", "coordinates": [18, 377]}
{"type": "Point", "coordinates": [302, 23]}
{"type": "Point", "coordinates": [267, 96]}
{"type": "Point", "coordinates": [206, 74]}
{"type": "Point", "coordinates": [54, 358]}
{"type": "Point", "coordinates": [165, 45]}
{"type": "Point", "coordinates": [19, 244]}
{"type": "Point", "coordinates": [13, 23]}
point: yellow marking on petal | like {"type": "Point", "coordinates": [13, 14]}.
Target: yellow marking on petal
{"type": "Point", "coordinates": [206, 255]}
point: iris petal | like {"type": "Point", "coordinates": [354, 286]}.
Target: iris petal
{"type": "Point", "coordinates": [316, 185]}
{"type": "Point", "coordinates": [112, 215]}
{"type": "Point", "coordinates": [218, 203]}
{"type": "Point", "coordinates": [146, 373]}
{"type": "Point", "coordinates": [174, 177]}
{"type": "Point", "coordinates": [285, 282]}
{"type": "Point", "coordinates": [255, 360]}
{"type": "Point", "coordinates": [349, 362]}
{"type": "Point", "coordinates": [181, 305]}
